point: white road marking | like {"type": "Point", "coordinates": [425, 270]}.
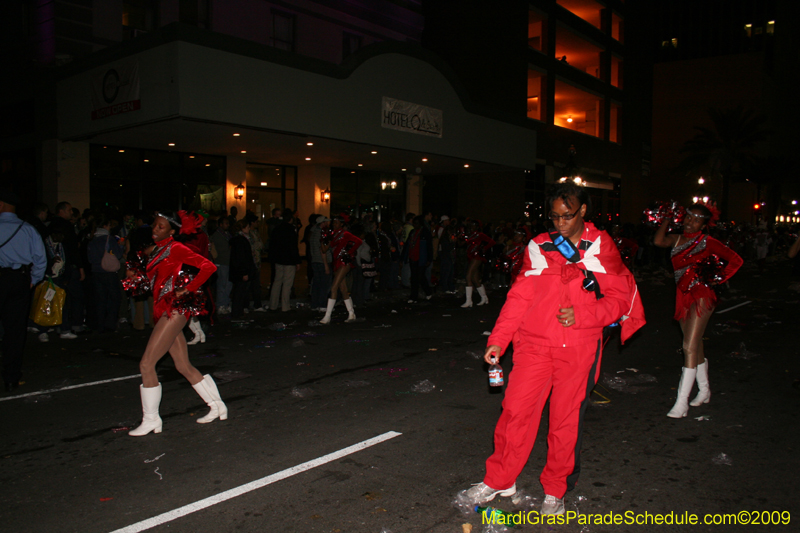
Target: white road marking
{"type": "Point", "coordinates": [70, 387]}
{"type": "Point", "coordinates": [253, 485]}
{"type": "Point", "coordinates": [734, 307]}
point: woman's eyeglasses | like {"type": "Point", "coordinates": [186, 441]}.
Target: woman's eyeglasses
{"type": "Point", "coordinates": [569, 216]}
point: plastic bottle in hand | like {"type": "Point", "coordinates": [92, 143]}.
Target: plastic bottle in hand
{"type": "Point", "coordinates": [495, 374]}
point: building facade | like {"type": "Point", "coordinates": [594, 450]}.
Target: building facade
{"type": "Point", "coordinates": [577, 71]}
{"type": "Point", "coordinates": [310, 105]}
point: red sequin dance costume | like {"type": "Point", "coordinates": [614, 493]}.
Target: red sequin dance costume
{"type": "Point", "coordinates": [164, 268]}
{"type": "Point", "coordinates": [477, 245]}
{"type": "Point", "coordinates": [344, 246]}
{"type": "Point", "coordinates": [690, 288]}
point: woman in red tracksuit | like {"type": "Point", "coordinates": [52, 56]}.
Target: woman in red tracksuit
{"type": "Point", "coordinates": [695, 298]}
{"type": "Point", "coordinates": [478, 243]}
{"type": "Point", "coordinates": [556, 321]}
{"type": "Point", "coordinates": [344, 246]}
{"type": "Point", "coordinates": [164, 268]}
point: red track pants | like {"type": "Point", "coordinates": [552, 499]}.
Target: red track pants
{"type": "Point", "coordinates": [570, 373]}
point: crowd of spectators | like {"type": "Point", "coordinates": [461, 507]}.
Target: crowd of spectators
{"type": "Point", "coordinates": [411, 257]}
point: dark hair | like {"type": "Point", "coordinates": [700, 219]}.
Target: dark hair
{"type": "Point", "coordinates": [313, 219]}
{"type": "Point", "coordinates": [357, 230]}
{"type": "Point", "coordinates": [102, 220]}
{"type": "Point", "coordinates": [173, 219]}
{"type": "Point", "coordinates": [567, 190]}
{"type": "Point", "coordinates": [238, 226]}
{"type": "Point", "coordinates": [40, 207]}
{"type": "Point", "coordinates": [287, 214]}
{"type": "Point", "coordinates": [60, 206]}
{"type": "Point", "coordinates": [250, 217]}
{"type": "Point", "coordinates": [275, 210]}
{"type": "Point", "coordinates": [706, 212]}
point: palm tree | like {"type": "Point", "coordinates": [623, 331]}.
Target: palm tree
{"type": "Point", "coordinates": [729, 150]}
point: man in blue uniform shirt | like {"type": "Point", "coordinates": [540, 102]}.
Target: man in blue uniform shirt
{"type": "Point", "coordinates": [22, 265]}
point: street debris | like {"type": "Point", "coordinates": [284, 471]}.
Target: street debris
{"type": "Point", "coordinates": [304, 392]}
{"type": "Point", "coordinates": [722, 459]}
{"type": "Point", "coordinates": [423, 386]}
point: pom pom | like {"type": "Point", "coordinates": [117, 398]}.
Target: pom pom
{"type": "Point", "coordinates": [190, 222]}
{"type": "Point", "coordinates": [326, 235]}
{"type": "Point", "coordinates": [657, 212]}
{"type": "Point", "coordinates": [138, 284]}
{"type": "Point", "coordinates": [709, 270]}
{"type": "Point", "coordinates": [191, 303]}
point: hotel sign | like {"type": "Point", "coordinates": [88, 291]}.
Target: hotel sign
{"type": "Point", "coordinates": [116, 91]}
{"type": "Point", "coordinates": [412, 118]}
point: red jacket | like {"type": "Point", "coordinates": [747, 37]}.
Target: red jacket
{"type": "Point", "coordinates": [548, 283]}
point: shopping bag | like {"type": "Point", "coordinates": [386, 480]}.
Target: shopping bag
{"type": "Point", "coordinates": [48, 303]}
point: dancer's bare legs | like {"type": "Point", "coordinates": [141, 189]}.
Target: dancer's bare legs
{"type": "Point", "coordinates": [340, 283]}
{"type": "Point", "coordinates": [474, 274]}
{"type": "Point", "coordinates": [167, 336]}
{"type": "Point", "coordinates": [693, 328]}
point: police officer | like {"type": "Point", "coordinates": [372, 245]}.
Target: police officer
{"type": "Point", "coordinates": [22, 265]}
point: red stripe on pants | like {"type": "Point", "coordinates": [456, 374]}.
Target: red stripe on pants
{"type": "Point", "coordinates": [539, 371]}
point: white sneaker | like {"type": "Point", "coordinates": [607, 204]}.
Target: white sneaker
{"type": "Point", "coordinates": [33, 330]}
{"type": "Point", "coordinates": [481, 493]}
{"type": "Point", "coordinates": [262, 309]}
{"type": "Point", "coordinates": [68, 335]}
{"type": "Point", "coordinates": [246, 310]}
{"type": "Point", "coordinates": [552, 505]}
{"type": "Point", "coordinates": [44, 337]}
{"type": "Point", "coordinates": [123, 320]}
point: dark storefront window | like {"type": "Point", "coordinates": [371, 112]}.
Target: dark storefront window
{"type": "Point", "coordinates": [535, 195]}
{"type": "Point", "coordinates": [124, 180]}
{"type": "Point", "coordinates": [356, 192]}
{"type": "Point", "coordinates": [270, 187]}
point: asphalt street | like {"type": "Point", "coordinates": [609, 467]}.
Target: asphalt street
{"type": "Point", "coordinates": [334, 428]}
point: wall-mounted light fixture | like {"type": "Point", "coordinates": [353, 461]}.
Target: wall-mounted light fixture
{"type": "Point", "coordinates": [325, 196]}
{"type": "Point", "coordinates": [239, 192]}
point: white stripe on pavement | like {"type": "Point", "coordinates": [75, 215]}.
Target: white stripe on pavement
{"type": "Point", "coordinates": [70, 387]}
{"type": "Point", "coordinates": [734, 307]}
{"type": "Point", "coordinates": [253, 485]}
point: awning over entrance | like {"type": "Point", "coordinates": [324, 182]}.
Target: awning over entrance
{"type": "Point", "coordinates": [189, 90]}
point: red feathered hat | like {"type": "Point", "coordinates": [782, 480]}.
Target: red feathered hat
{"type": "Point", "coordinates": [190, 222]}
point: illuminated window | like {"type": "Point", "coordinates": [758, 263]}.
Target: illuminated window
{"type": "Point", "coordinates": [588, 10]}
{"type": "Point", "coordinates": [537, 82]}
{"type": "Point", "coordinates": [616, 72]}
{"type": "Point", "coordinates": [615, 120]}
{"type": "Point", "coordinates": [536, 27]}
{"type": "Point", "coordinates": [578, 52]}
{"type": "Point", "coordinates": [771, 27]}
{"type": "Point", "coordinates": [616, 27]}
{"type": "Point", "coordinates": [584, 109]}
